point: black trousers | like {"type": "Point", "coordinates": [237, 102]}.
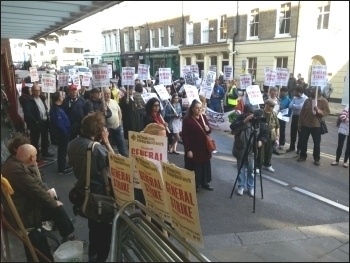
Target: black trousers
{"type": "Point", "coordinates": [316, 137]}
{"type": "Point", "coordinates": [294, 132]}
{"type": "Point", "coordinates": [62, 146]}
{"type": "Point", "coordinates": [43, 132]}
{"type": "Point", "coordinates": [341, 139]}
{"type": "Point", "coordinates": [282, 140]}
{"type": "Point", "coordinates": [100, 235]}
{"type": "Point", "coordinates": [60, 218]}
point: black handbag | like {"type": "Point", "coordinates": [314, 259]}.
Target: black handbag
{"type": "Point", "coordinates": [99, 208]}
{"type": "Point", "coordinates": [323, 126]}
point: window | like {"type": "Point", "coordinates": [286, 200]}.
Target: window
{"type": "Point", "coordinates": [223, 27]}
{"type": "Point", "coordinates": [161, 37]}
{"type": "Point", "coordinates": [284, 19]}
{"type": "Point", "coordinates": [282, 62]}
{"type": "Point", "coordinates": [189, 33]}
{"type": "Point", "coordinates": [252, 65]}
{"type": "Point", "coordinates": [205, 31]}
{"type": "Point", "coordinates": [213, 61]}
{"type": "Point", "coordinates": [137, 39]}
{"type": "Point", "coordinates": [323, 17]}
{"type": "Point", "coordinates": [153, 38]}
{"type": "Point", "coordinates": [254, 23]}
{"type": "Point", "coordinates": [188, 61]}
{"type": "Point", "coordinates": [171, 35]}
{"type": "Point", "coordinates": [126, 41]}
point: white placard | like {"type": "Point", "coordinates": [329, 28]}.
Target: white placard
{"type": "Point", "coordinates": [100, 77]}
{"type": "Point", "coordinates": [128, 76]}
{"type": "Point", "coordinates": [165, 76]}
{"type": "Point", "coordinates": [282, 76]}
{"type": "Point", "coordinates": [48, 83]}
{"type": "Point", "coordinates": [192, 93]}
{"type": "Point", "coordinates": [86, 80]}
{"type": "Point", "coordinates": [213, 68]}
{"type": "Point", "coordinates": [185, 70]}
{"type": "Point", "coordinates": [63, 79]}
{"type": "Point", "coordinates": [33, 72]}
{"type": "Point", "coordinates": [71, 72]}
{"type": "Point", "coordinates": [76, 81]}
{"type": "Point", "coordinates": [245, 80]}
{"type": "Point", "coordinates": [206, 91]}
{"type": "Point", "coordinates": [254, 95]}
{"type": "Point", "coordinates": [147, 96]}
{"type": "Point", "coordinates": [210, 78]}
{"type": "Point", "coordinates": [162, 92]}
{"type": "Point", "coordinates": [228, 72]}
{"type": "Point", "coordinates": [143, 71]}
{"type": "Point", "coordinates": [319, 75]}
{"type": "Point", "coordinates": [110, 71]}
{"type": "Point", "coordinates": [270, 78]}
{"type": "Point", "coordinates": [194, 69]}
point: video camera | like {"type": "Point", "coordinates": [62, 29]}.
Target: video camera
{"type": "Point", "coordinates": [258, 117]}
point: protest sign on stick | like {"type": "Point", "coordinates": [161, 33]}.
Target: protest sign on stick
{"type": "Point", "coordinates": [245, 80]}
{"type": "Point", "coordinates": [100, 75]}
{"type": "Point", "coordinates": [192, 93]}
{"type": "Point", "coordinates": [128, 76]}
{"type": "Point", "coordinates": [228, 72]}
{"type": "Point", "coordinates": [254, 95]}
{"type": "Point", "coordinates": [63, 79]}
{"type": "Point", "coordinates": [121, 177]}
{"type": "Point", "coordinates": [142, 71]}
{"type": "Point", "coordinates": [162, 92]}
{"type": "Point", "coordinates": [76, 81]}
{"type": "Point", "coordinates": [48, 83]}
{"type": "Point", "coordinates": [270, 78]}
{"type": "Point", "coordinates": [86, 80]}
{"type": "Point", "coordinates": [33, 73]}
{"type": "Point", "coordinates": [318, 75]}
{"type": "Point", "coordinates": [165, 76]}
{"type": "Point", "coordinates": [282, 76]}
{"type": "Point", "coordinates": [185, 70]}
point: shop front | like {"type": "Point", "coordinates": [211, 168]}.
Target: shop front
{"type": "Point", "coordinates": [114, 60]}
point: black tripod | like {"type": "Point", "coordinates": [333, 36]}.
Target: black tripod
{"type": "Point", "coordinates": [251, 145]}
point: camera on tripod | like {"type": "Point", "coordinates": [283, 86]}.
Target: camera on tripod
{"type": "Point", "coordinates": [258, 117]}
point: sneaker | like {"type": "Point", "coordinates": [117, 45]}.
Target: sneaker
{"type": "Point", "coordinates": [257, 170]}
{"type": "Point", "coordinates": [301, 159]}
{"type": "Point", "coordinates": [66, 172]}
{"type": "Point", "coordinates": [270, 169]}
{"type": "Point", "coordinates": [334, 163]}
{"type": "Point", "coordinates": [240, 191]}
{"type": "Point", "coordinates": [317, 163]}
{"type": "Point", "coordinates": [251, 192]}
{"type": "Point", "coordinates": [47, 225]}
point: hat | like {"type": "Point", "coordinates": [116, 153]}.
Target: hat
{"type": "Point", "coordinates": [95, 90]}
{"type": "Point", "coordinates": [248, 108]}
{"type": "Point", "coordinates": [270, 102]}
{"type": "Point", "coordinates": [72, 87]}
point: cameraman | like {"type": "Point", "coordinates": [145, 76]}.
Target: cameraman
{"type": "Point", "coordinates": [243, 127]}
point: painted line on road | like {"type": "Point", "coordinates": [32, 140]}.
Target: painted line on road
{"type": "Point", "coordinates": [275, 180]}
{"type": "Point", "coordinates": [318, 197]}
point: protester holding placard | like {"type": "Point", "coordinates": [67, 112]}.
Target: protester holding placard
{"type": "Point", "coordinates": [195, 129]}
{"type": "Point", "coordinates": [216, 97]}
{"type": "Point", "coordinates": [173, 116]}
{"type": "Point", "coordinates": [309, 123]}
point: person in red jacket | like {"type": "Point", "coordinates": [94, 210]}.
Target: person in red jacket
{"type": "Point", "coordinates": [195, 128]}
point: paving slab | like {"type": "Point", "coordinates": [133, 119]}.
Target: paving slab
{"type": "Point", "coordinates": [339, 231]}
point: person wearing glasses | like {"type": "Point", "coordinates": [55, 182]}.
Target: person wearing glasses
{"type": "Point", "coordinates": [153, 113]}
{"type": "Point", "coordinates": [36, 116]}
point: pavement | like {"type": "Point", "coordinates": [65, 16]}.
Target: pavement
{"type": "Point", "coordinates": [314, 243]}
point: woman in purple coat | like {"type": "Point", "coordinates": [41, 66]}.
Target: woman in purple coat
{"type": "Point", "coordinates": [195, 128]}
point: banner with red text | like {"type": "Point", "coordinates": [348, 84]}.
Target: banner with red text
{"type": "Point", "coordinates": [319, 75]}
{"type": "Point", "coordinates": [142, 71]}
{"type": "Point", "coordinates": [152, 187]}
{"type": "Point", "coordinates": [149, 146]}
{"type": "Point", "coordinates": [228, 72]}
{"type": "Point", "coordinates": [254, 95]}
{"type": "Point", "coordinates": [282, 76]}
{"type": "Point", "coordinates": [245, 80]}
{"type": "Point", "coordinates": [165, 76]}
{"type": "Point", "coordinates": [86, 80]}
{"type": "Point", "coordinates": [121, 177]}
{"type": "Point", "coordinates": [128, 76]}
{"type": "Point", "coordinates": [100, 75]}
{"type": "Point", "coordinates": [180, 193]}
{"type": "Point", "coordinates": [192, 93]}
{"type": "Point", "coordinates": [33, 73]}
{"type": "Point", "coordinates": [48, 83]}
{"type": "Point", "coordinates": [63, 79]}
{"type": "Point", "coordinates": [270, 77]}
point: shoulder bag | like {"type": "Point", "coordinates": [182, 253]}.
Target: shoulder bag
{"type": "Point", "coordinates": [99, 208]}
{"type": "Point", "coordinates": [211, 146]}
{"type": "Point", "coordinates": [323, 126]}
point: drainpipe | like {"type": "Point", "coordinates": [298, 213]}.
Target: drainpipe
{"type": "Point", "coordinates": [234, 40]}
{"type": "Point", "coordinates": [296, 38]}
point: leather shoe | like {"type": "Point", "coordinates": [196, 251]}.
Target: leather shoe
{"type": "Point", "coordinates": [301, 159]}
{"type": "Point", "coordinates": [317, 163]}
{"type": "Point", "coordinates": [290, 150]}
{"type": "Point", "coordinates": [208, 187]}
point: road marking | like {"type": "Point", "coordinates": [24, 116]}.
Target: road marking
{"type": "Point", "coordinates": [343, 207]}
{"type": "Point", "coordinates": [275, 180]}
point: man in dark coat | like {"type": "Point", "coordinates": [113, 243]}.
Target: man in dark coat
{"type": "Point", "coordinates": [291, 85]}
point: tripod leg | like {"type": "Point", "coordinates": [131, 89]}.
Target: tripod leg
{"type": "Point", "coordinates": [239, 170]}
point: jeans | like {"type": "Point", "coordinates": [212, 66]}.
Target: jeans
{"type": "Point", "coordinates": [294, 132]}
{"type": "Point", "coordinates": [316, 137]}
{"type": "Point", "coordinates": [246, 177]}
{"type": "Point", "coordinates": [341, 139]}
{"type": "Point", "coordinates": [117, 138]}
{"type": "Point", "coordinates": [216, 107]}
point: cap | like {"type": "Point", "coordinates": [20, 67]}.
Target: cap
{"type": "Point", "coordinates": [72, 87]}
{"type": "Point", "coordinates": [248, 108]}
{"type": "Point", "coordinates": [95, 90]}
{"type": "Point", "coordinates": [270, 102]}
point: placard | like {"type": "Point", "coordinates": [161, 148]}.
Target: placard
{"type": "Point", "coordinates": [270, 77]}
{"type": "Point", "coordinates": [121, 177]}
{"type": "Point", "coordinates": [194, 69]}
{"type": "Point", "coordinates": [254, 95]}
{"type": "Point", "coordinates": [162, 92]}
{"type": "Point", "coordinates": [192, 93]}
{"type": "Point", "coordinates": [33, 73]}
{"type": "Point", "coordinates": [206, 91]}
{"type": "Point", "coordinates": [185, 70]}
{"type": "Point", "coordinates": [63, 79]}
{"type": "Point", "coordinates": [228, 72]}
{"type": "Point", "coordinates": [213, 68]}
{"type": "Point", "coordinates": [100, 75]}
{"type": "Point", "coordinates": [210, 78]}
{"type": "Point", "coordinates": [110, 71]}
{"type": "Point", "coordinates": [128, 76]}
{"type": "Point", "coordinates": [86, 79]}
{"type": "Point", "coordinates": [147, 96]}
{"type": "Point", "coordinates": [143, 71]}
{"type": "Point", "coordinates": [318, 75]}
{"type": "Point", "coordinates": [48, 83]}
{"type": "Point", "coordinates": [245, 80]}
{"type": "Point", "coordinates": [76, 81]}
{"type": "Point", "coordinates": [180, 192]}
{"type": "Point", "coordinates": [282, 76]}
{"type": "Point", "coordinates": [152, 187]}
{"type": "Point", "coordinates": [165, 76]}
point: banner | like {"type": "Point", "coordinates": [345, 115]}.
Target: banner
{"type": "Point", "coordinates": [110, 71]}
{"type": "Point", "coordinates": [194, 69]}
{"type": "Point", "coordinates": [245, 80]}
{"type": "Point", "coordinates": [220, 121]}
{"type": "Point", "coordinates": [228, 72]}
{"type": "Point", "coordinates": [76, 81]}
{"type": "Point", "coordinates": [180, 193]}
{"type": "Point", "coordinates": [185, 70]}
{"type": "Point", "coordinates": [33, 73]}
{"type": "Point", "coordinates": [63, 79]}
{"type": "Point", "coordinates": [254, 95]}
{"type": "Point", "coordinates": [120, 171]}
{"type": "Point", "coordinates": [165, 76]}
{"type": "Point", "coordinates": [318, 75]}
{"type": "Point", "coordinates": [152, 187]}
{"type": "Point", "coordinates": [270, 78]}
{"type": "Point", "coordinates": [143, 71]}
{"type": "Point", "coordinates": [149, 146]}
{"type": "Point", "coordinates": [192, 93]}
{"type": "Point", "coordinates": [128, 76]}
{"type": "Point", "coordinates": [100, 77]}
{"type": "Point", "coordinates": [282, 76]}
{"type": "Point", "coordinates": [48, 83]}
{"type": "Point", "coordinates": [86, 80]}
{"type": "Point", "coordinates": [162, 92]}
